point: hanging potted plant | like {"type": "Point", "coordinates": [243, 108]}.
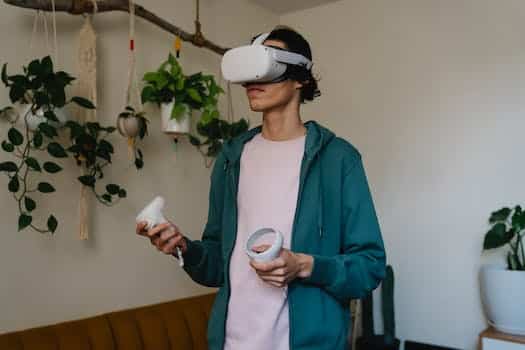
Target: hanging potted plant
{"type": "Point", "coordinates": [164, 88]}
{"type": "Point", "coordinates": [503, 287]}
{"type": "Point", "coordinates": [43, 89]}
{"type": "Point", "coordinates": [179, 96]}
{"type": "Point", "coordinates": [132, 124]}
{"type": "Point", "coordinates": [214, 134]}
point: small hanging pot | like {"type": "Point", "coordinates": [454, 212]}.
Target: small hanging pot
{"type": "Point", "coordinates": [34, 119]}
{"type": "Point", "coordinates": [130, 124]}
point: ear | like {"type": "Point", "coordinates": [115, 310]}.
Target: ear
{"type": "Point", "coordinates": [299, 85]}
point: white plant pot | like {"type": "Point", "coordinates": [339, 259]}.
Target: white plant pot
{"type": "Point", "coordinates": [502, 295]}
{"type": "Point", "coordinates": [172, 126]}
{"type": "Point", "coordinates": [34, 119]}
{"type": "Point", "coordinates": [129, 127]}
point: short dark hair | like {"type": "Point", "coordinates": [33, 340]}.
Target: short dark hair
{"type": "Point", "coordinates": [295, 42]}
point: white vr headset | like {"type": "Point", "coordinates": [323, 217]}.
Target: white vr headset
{"type": "Point", "coordinates": [257, 63]}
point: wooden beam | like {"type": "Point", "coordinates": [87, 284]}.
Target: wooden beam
{"type": "Point", "coordinates": [78, 7]}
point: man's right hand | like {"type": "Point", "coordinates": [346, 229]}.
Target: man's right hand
{"type": "Point", "coordinates": [165, 237]}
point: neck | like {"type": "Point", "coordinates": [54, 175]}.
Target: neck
{"type": "Point", "coordinates": [283, 123]}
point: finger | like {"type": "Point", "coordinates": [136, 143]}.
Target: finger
{"type": "Point", "coordinates": [278, 272]}
{"type": "Point", "coordinates": [169, 247]}
{"type": "Point", "coordinates": [140, 229]}
{"type": "Point", "coordinates": [157, 229]}
{"type": "Point", "coordinates": [261, 248]}
{"type": "Point", "coordinates": [268, 266]}
{"type": "Point", "coordinates": [275, 283]}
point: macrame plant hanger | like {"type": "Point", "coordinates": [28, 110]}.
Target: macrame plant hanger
{"type": "Point", "coordinates": [132, 90]}
{"type": "Point", "coordinates": [86, 86]}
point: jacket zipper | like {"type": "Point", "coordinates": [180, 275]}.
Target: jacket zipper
{"type": "Point", "coordinates": [302, 179]}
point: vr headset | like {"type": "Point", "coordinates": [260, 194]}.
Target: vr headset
{"type": "Point", "coordinates": [257, 63]}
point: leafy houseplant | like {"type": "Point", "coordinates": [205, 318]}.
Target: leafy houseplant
{"type": "Point", "coordinates": [503, 288]}
{"type": "Point", "coordinates": [132, 124]}
{"type": "Point", "coordinates": [179, 95]}
{"type": "Point", "coordinates": [44, 89]}
{"type": "Point", "coordinates": [216, 132]}
{"type": "Point", "coordinates": [508, 227]}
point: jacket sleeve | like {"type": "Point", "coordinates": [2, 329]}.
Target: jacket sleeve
{"type": "Point", "coordinates": [361, 265]}
{"type": "Point", "coordinates": [203, 259]}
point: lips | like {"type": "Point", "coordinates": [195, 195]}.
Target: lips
{"type": "Point", "coordinates": [250, 88]}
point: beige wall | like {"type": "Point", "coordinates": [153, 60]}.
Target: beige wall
{"type": "Point", "coordinates": [431, 92]}
{"type": "Point", "coordinates": [45, 279]}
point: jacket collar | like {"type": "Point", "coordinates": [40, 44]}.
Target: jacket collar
{"type": "Point", "coordinates": [317, 137]}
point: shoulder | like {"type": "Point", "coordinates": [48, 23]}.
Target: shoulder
{"type": "Point", "coordinates": [342, 151]}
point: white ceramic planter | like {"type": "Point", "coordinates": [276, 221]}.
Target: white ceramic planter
{"type": "Point", "coordinates": [502, 295]}
{"type": "Point", "coordinates": [172, 126]}
{"type": "Point", "coordinates": [34, 119]}
{"type": "Point", "coordinates": [128, 127]}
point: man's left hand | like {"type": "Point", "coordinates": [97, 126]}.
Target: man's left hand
{"type": "Point", "coordinates": [284, 269]}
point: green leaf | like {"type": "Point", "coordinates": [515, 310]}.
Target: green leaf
{"type": "Point", "coordinates": [47, 130]}
{"type": "Point", "coordinates": [139, 163]}
{"type": "Point", "coordinates": [45, 187]}
{"type": "Point", "coordinates": [35, 68]}
{"type": "Point", "coordinates": [24, 221]}
{"type": "Point", "coordinates": [122, 193]}
{"type": "Point", "coordinates": [4, 75]}
{"type": "Point", "coordinates": [58, 97]}
{"type": "Point", "coordinates": [14, 184]}
{"type": "Point", "coordinates": [16, 93]}
{"type": "Point", "coordinates": [56, 150]}
{"type": "Point", "coordinates": [87, 180]}
{"type": "Point", "coordinates": [52, 224]}
{"type": "Point", "coordinates": [497, 236]}
{"type": "Point", "coordinates": [194, 140]}
{"type": "Point", "coordinates": [150, 77]}
{"type": "Point", "coordinates": [47, 65]}
{"type": "Point", "coordinates": [7, 146]}
{"type": "Point", "coordinates": [33, 164]}
{"type": "Point", "coordinates": [112, 189]}
{"type": "Point", "coordinates": [194, 94]}
{"type": "Point", "coordinates": [51, 116]}
{"type": "Point", "coordinates": [106, 146]}
{"type": "Point", "coordinates": [29, 203]}
{"type": "Point", "coordinates": [52, 168]}
{"type": "Point", "coordinates": [15, 137]}
{"type": "Point", "coordinates": [148, 94]}
{"type": "Point", "coordinates": [8, 166]}
{"type": "Point", "coordinates": [106, 197]}
{"type": "Point", "coordinates": [38, 139]}
{"type": "Point", "coordinates": [180, 84]}
{"type": "Point", "coordinates": [500, 215]}
{"type": "Point", "coordinates": [83, 102]}
{"type": "Point", "coordinates": [178, 111]}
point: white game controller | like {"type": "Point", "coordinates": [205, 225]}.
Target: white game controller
{"type": "Point", "coordinates": [152, 214]}
{"type": "Point", "coordinates": [270, 253]}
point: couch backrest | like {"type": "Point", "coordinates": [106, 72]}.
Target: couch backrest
{"type": "Point", "coordinates": [175, 325]}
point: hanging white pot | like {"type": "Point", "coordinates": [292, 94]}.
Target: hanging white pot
{"type": "Point", "coordinates": [34, 119]}
{"type": "Point", "coordinates": [128, 126]}
{"type": "Point", "coordinates": [173, 126]}
{"type": "Point", "coordinates": [502, 292]}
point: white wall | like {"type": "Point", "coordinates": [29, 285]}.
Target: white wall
{"type": "Point", "coordinates": [431, 92]}
{"type": "Point", "coordinates": [46, 279]}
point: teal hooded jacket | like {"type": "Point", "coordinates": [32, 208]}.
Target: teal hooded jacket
{"type": "Point", "coordinates": [335, 222]}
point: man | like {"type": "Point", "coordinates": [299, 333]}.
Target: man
{"type": "Point", "coordinates": [302, 180]}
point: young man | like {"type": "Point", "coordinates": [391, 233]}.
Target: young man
{"type": "Point", "coordinates": [302, 180]}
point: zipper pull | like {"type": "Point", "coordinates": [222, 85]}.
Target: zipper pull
{"type": "Point", "coordinates": [320, 232]}
{"type": "Point", "coordinates": [225, 165]}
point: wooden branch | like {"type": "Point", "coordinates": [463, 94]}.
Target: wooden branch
{"type": "Point", "coordinates": [78, 7]}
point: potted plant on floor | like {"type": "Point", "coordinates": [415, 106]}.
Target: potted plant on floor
{"type": "Point", "coordinates": [503, 287]}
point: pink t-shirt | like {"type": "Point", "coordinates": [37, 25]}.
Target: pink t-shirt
{"type": "Point", "coordinates": [268, 187]}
